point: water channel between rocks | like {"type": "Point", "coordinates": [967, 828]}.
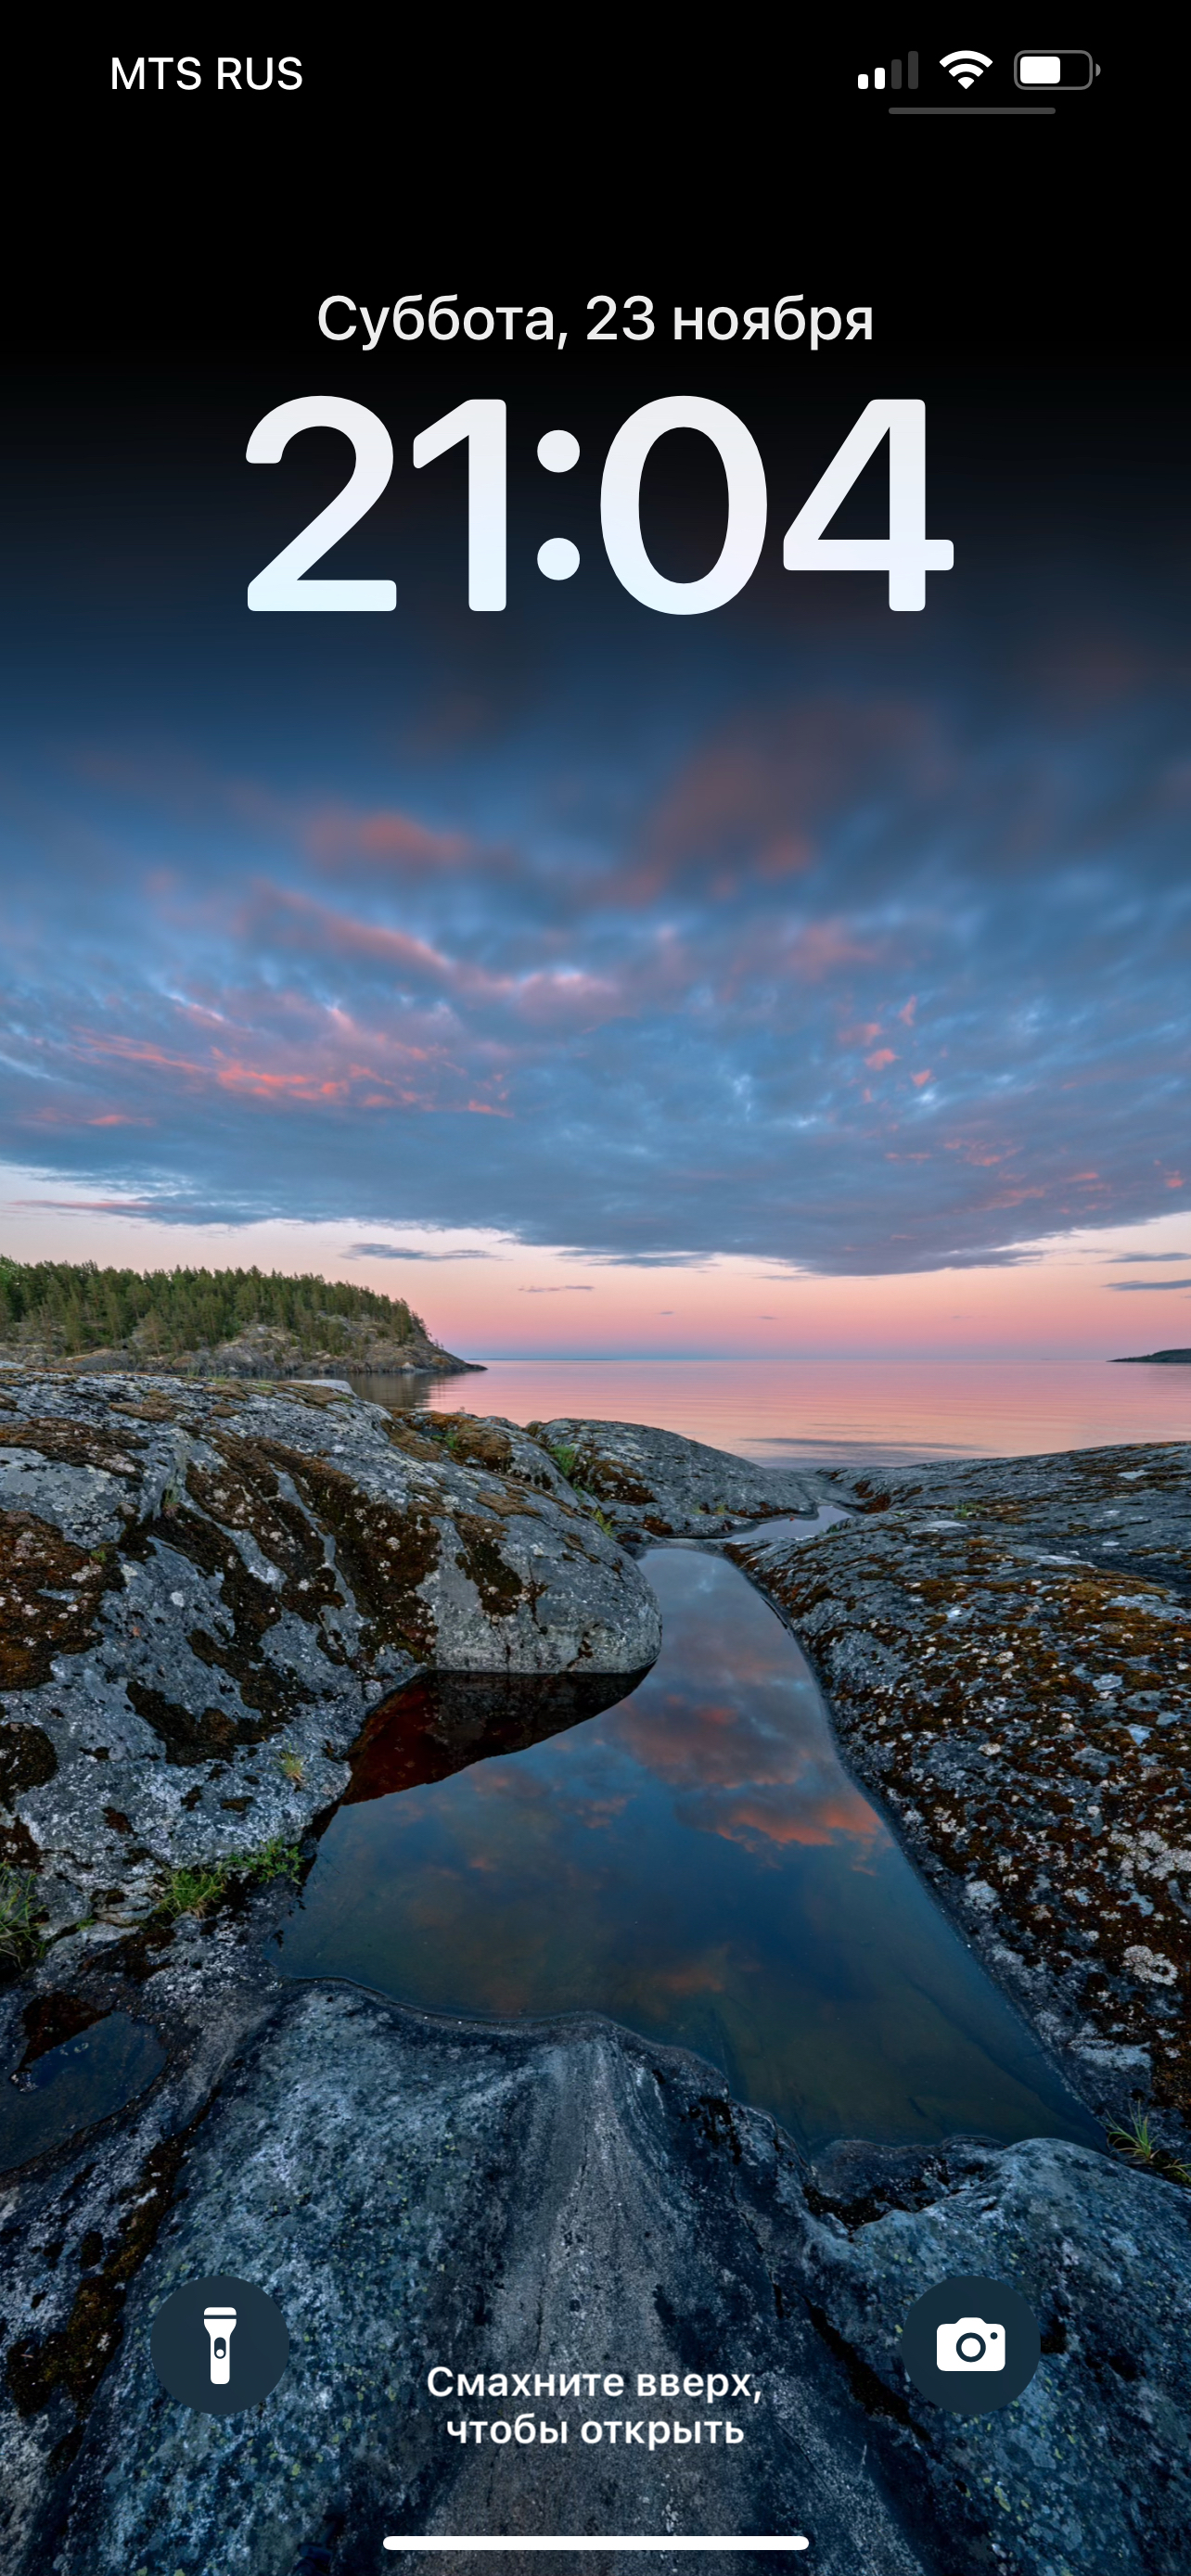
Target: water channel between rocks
{"type": "Point", "coordinates": [693, 1861]}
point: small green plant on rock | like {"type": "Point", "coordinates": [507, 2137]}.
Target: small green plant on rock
{"type": "Point", "coordinates": [566, 1458]}
{"type": "Point", "coordinates": [192, 1889]}
{"type": "Point", "coordinates": [275, 1859]}
{"type": "Point", "coordinates": [602, 1522]}
{"type": "Point", "coordinates": [20, 1913]}
{"type": "Point", "coordinates": [292, 1764]}
{"type": "Point", "coordinates": [1137, 2141]}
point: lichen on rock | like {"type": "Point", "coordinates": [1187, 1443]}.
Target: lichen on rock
{"type": "Point", "coordinates": [1007, 1650]}
{"type": "Point", "coordinates": [656, 1484]}
{"type": "Point", "coordinates": [197, 1613]}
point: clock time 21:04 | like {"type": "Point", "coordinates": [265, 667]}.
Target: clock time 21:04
{"type": "Point", "coordinates": [906, 554]}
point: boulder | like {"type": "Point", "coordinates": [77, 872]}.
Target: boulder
{"type": "Point", "coordinates": [656, 1484]}
{"type": "Point", "coordinates": [204, 1591]}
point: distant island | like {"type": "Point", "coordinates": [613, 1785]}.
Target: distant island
{"type": "Point", "coordinates": [72, 1315]}
{"type": "Point", "coordinates": [1141, 1359]}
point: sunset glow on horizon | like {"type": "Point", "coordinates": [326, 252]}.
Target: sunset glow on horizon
{"type": "Point", "coordinates": [1087, 1295]}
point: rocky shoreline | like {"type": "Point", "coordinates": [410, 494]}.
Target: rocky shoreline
{"type": "Point", "coordinates": [261, 1351]}
{"type": "Point", "coordinates": [1006, 1648]}
{"type": "Point", "coordinates": [206, 1594]}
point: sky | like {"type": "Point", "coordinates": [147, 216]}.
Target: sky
{"type": "Point", "coordinates": [800, 977]}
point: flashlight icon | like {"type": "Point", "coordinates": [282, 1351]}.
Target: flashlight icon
{"type": "Point", "coordinates": [221, 2326]}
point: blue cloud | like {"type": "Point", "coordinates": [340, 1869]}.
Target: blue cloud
{"type": "Point", "coordinates": [411, 1252]}
{"type": "Point", "coordinates": [849, 962]}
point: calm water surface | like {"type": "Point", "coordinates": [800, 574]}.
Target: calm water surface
{"type": "Point", "coordinates": [694, 1862]}
{"type": "Point", "coordinates": [840, 1411]}
{"type": "Point", "coordinates": [74, 2084]}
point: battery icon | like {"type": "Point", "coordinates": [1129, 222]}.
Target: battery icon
{"type": "Point", "coordinates": [1066, 67]}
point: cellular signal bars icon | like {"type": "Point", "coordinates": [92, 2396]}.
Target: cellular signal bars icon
{"type": "Point", "coordinates": [895, 75]}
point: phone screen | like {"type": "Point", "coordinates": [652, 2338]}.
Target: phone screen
{"type": "Point", "coordinates": [595, 710]}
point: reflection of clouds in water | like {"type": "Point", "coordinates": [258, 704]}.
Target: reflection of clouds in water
{"type": "Point", "coordinates": [709, 1972]}
{"type": "Point", "coordinates": [550, 1802]}
{"type": "Point", "coordinates": [597, 1812]}
{"type": "Point", "coordinates": [732, 1717]}
{"type": "Point", "coordinates": [732, 1737]}
{"type": "Point", "coordinates": [530, 1839]}
{"type": "Point", "coordinates": [433, 1903]}
{"type": "Point", "coordinates": [696, 1863]}
{"type": "Point", "coordinates": [687, 1740]}
{"type": "Point", "coordinates": [758, 1820]}
{"type": "Point", "coordinates": [729, 1771]}
{"type": "Point", "coordinates": [512, 1778]}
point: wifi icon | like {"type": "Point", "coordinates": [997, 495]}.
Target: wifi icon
{"type": "Point", "coordinates": [966, 65]}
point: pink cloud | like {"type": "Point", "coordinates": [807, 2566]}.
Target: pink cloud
{"type": "Point", "coordinates": [822, 946]}
{"type": "Point", "coordinates": [753, 806]}
{"type": "Point", "coordinates": [303, 1055]}
{"type": "Point", "coordinates": [332, 833]}
{"type": "Point", "coordinates": [336, 834]}
{"type": "Point", "coordinates": [93, 1207]}
{"type": "Point", "coordinates": [299, 922]}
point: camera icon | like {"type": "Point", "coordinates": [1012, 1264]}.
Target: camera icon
{"type": "Point", "coordinates": [969, 2344]}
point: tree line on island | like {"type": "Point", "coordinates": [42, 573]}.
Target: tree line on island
{"type": "Point", "coordinates": [66, 1309]}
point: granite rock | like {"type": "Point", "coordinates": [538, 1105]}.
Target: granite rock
{"type": "Point", "coordinates": [1007, 1651]}
{"type": "Point", "coordinates": [656, 1484]}
{"type": "Point", "coordinates": [205, 1591]}
{"type": "Point", "coordinates": [1090, 2469]}
{"type": "Point", "coordinates": [563, 2198]}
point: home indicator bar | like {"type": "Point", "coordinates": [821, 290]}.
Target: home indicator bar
{"type": "Point", "coordinates": [616, 2540]}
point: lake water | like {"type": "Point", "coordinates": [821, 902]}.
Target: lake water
{"type": "Point", "coordinates": [87, 2076]}
{"type": "Point", "coordinates": [694, 1862]}
{"type": "Point", "coordinates": [875, 1412]}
